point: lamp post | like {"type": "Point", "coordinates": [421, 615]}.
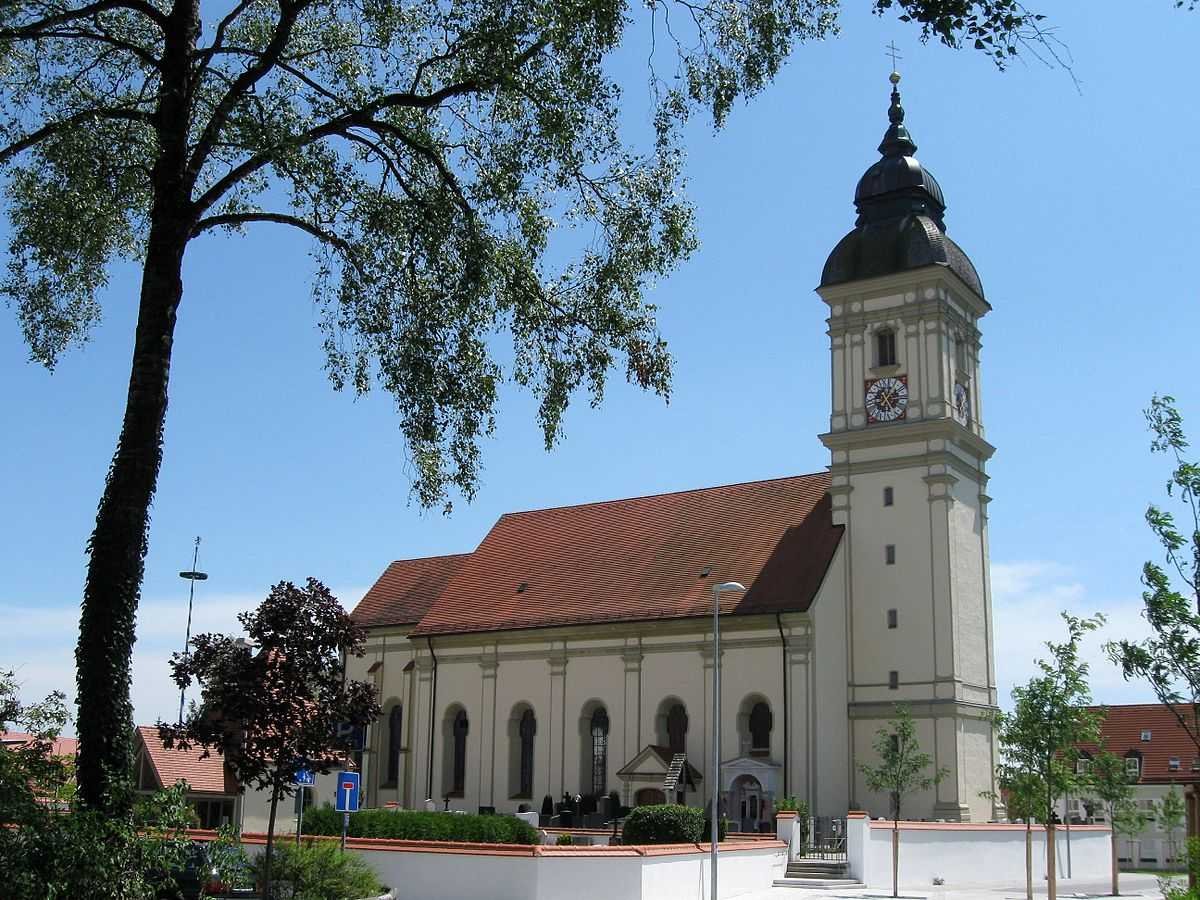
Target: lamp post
{"type": "Point", "coordinates": [718, 590]}
{"type": "Point", "coordinates": [192, 577]}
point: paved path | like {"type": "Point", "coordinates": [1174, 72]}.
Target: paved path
{"type": "Point", "coordinates": [1144, 887]}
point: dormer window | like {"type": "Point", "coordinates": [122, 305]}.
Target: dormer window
{"type": "Point", "coordinates": [1146, 736]}
{"type": "Point", "coordinates": [885, 347]}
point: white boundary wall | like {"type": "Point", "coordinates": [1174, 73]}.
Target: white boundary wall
{"type": "Point", "coordinates": [445, 871]}
{"type": "Point", "coordinates": [976, 854]}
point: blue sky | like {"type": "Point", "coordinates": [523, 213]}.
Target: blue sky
{"type": "Point", "coordinates": [1077, 208]}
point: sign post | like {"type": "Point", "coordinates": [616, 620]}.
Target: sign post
{"type": "Point", "coordinates": [346, 801]}
{"type": "Point", "coordinates": [303, 780]}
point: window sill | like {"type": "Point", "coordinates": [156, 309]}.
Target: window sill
{"type": "Point", "coordinates": [453, 795]}
{"type": "Point", "coordinates": [521, 797]}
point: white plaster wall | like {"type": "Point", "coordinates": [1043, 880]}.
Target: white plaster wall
{"type": "Point", "coordinates": [592, 680]}
{"type": "Point", "coordinates": [687, 877]}
{"type": "Point", "coordinates": [455, 876]}
{"type": "Point", "coordinates": [970, 855]}
{"type": "Point", "coordinates": [576, 876]}
{"type": "Point", "coordinates": [910, 648]}
{"type": "Point", "coordinates": [823, 759]}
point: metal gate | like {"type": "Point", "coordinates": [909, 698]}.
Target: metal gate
{"type": "Point", "coordinates": [827, 839]}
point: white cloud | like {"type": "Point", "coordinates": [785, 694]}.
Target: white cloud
{"type": "Point", "coordinates": [1027, 597]}
{"type": "Point", "coordinates": [39, 644]}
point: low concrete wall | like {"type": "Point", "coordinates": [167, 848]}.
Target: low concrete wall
{"type": "Point", "coordinates": [966, 853]}
{"type": "Point", "coordinates": [436, 870]}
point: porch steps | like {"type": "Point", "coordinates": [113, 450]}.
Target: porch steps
{"type": "Point", "coordinates": [819, 884]}
{"type": "Point", "coordinates": [817, 874]}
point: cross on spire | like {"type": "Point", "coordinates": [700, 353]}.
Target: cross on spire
{"type": "Point", "coordinates": [894, 53]}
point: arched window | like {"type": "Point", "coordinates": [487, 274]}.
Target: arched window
{"type": "Point", "coordinates": [459, 730]}
{"type": "Point", "coordinates": [885, 347]}
{"type": "Point", "coordinates": [526, 731]}
{"type": "Point", "coordinates": [395, 742]}
{"type": "Point", "coordinates": [677, 726]}
{"type": "Point", "coordinates": [761, 722]}
{"type": "Point", "coordinates": [599, 730]}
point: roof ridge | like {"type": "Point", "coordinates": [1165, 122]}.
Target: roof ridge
{"type": "Point", "coordinates": [695, 490]}
{"type": "Point", "coordinates": [413, 559]}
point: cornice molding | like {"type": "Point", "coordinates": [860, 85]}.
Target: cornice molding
{"type": "Point", "coordinates": [909, 432]}
{"type": "Point", "coordinates": [909, 279]}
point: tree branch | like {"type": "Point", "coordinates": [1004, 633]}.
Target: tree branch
{"type": "Point", "coordinates": [289, 13]}
{"type": "Point", "coordinates": [48, 131]}
{"type": "Point", "coordinates": [234, 219]}
{"type": "Point", "coordinates": [86, 12]}
{"type": "Point", "coordinates": [363, 117]}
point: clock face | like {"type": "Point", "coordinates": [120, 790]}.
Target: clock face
{"type": "Point", "coordinates": [887, 399]}
{"type": "Point", "coordinates": [962, 402]}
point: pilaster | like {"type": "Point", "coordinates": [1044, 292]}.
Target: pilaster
{"type": "Point", "coordinates": [631, 708]}
{"type": "Point", "coordinates": [488, 667]}
{"type": "Point", "coordinates": [426, 729]}
{"type": "Point", "coordinates": [556, 732]}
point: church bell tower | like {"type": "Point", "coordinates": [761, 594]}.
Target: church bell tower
{"type": "Point", "coordinates": [909, 481]}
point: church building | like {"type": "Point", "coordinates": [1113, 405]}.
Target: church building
{"type": "Point", "coordinates": [572, 650]}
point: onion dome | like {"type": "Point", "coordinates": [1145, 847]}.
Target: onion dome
{"type": "Point", "coordinates": [901, 216]}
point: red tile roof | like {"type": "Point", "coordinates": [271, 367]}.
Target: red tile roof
{"type": "Point", "coordinates": [61, 746]}
{"type": "Point", "coordinates": [204, 776]}
{"type": "Point", "coordinates": [1122, 730]}
{"type": "Point", "coordinates": [645, 558]}
{"type": "Point", "coordinates": [406, 590]}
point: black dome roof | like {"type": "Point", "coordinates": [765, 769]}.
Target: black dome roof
{"type": "Point", "coordinates": [901, 212]}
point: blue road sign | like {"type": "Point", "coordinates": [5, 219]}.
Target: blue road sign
{"type": "Point", "coordinates": [347, 792]}
{"type": "Point", "coordinates": [305, 778]}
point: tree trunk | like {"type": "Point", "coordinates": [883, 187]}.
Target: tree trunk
{"type": "Point", "coordinates": [1051, 881]}
{"type": "Point", "coordinates": [1028, 860]}
{"type": "Point", "coordinates": [270, 843]}
{"type": "Point", "coordinates": [1116, 888]}
{"type": "Point", "coordinates": [896, 858]}
{"type": "Point", "coordinates": [117, 548]}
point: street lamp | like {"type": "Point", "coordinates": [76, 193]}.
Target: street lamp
{"type": "Point", "coordinates": [718, 589]}
{"type": "Point", "coordinates": [192, 577]}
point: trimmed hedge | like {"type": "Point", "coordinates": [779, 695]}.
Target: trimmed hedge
{"type": "Point", "coordinates": [666, 824]}
{"type": "Point", "coordinates": [415, 825]}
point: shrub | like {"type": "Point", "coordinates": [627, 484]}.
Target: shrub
{"type": "Point", "coordinates": [414, 825]}
{"type": "Point", "coordinates": [666, 824]}
{"type": "Point", "coordinates": [800, 808]}
{"type": "Point", "coordinates": [723, 828]}
{"type": "Point", "coordinates": [563, 840]}
{"type": "Point", "coordinates": [318, 870]}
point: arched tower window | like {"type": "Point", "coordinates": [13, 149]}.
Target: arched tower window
{"type": "Point", "coordinates": [677, 726]}
{"type": "Point", "coordinates": [395, 742]}
{"type": "Point", "coordinates": [599, 731]}
{"type": "Point", "coordinates": [459, 730]}
{"type": "Point", "coordinates": [761, 722]}
{"type": "Point", "coordinates": [885, 347]}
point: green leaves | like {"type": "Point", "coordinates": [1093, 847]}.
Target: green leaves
{"type": "Point", "coordinates": [903, 766]}
{"type": "Point", "coordinates": [1039, 739]}
{"type": "Point", "coordinates": [478, 216]}
{"type": "Point", "coordinates": [1169, 660]}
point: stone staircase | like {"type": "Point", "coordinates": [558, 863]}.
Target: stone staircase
{"type": "Point", "coordinates": [817, 874]}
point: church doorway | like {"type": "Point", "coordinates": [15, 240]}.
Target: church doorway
{"type": "Point", "coordinates": [649, 797]}
{"type": "Point", "coordinates": [747, 803]}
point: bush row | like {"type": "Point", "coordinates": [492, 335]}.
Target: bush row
{"type": "Point", "coordinates": [415, 825]}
